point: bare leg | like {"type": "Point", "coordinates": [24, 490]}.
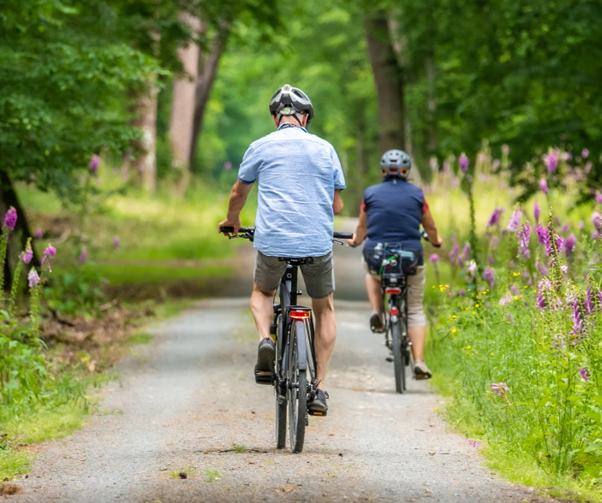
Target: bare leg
{"type": "Point", "coordinates": [417, 335]}
{"type": "Point", "coordinates": [326, 335]}
{"type": "Point", "coordinates": [374, 294]}
{"type": "Point", "coordinates": [263, 310]}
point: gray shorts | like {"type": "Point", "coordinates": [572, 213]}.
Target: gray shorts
{"type": "Point", "coordinates": [318, 275]}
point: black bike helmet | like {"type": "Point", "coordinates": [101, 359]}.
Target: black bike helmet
{"type": "Point", "coordinates": [395, 163]}
{"type": "Point", "coordinates": [290, 100]}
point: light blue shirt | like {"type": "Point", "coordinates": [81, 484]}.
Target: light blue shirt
{"type": "Point", "coordinates": [298, 173]}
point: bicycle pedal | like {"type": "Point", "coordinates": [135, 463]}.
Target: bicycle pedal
{"type": "Point", "coordinates": [317, 413]}
{"type": "Point", "coordinates": [264, 377]}
{"type": "Point", "coordinates": [389, 358]}
{"type": "Point", "coordinates": [377, 330]}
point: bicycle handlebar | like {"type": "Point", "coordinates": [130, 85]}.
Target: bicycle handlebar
{"type": "Point", "coordinates": [251, 231]}
{"type": "Point", "coordinates": [425, 236]}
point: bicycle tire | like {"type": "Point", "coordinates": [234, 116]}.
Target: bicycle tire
{"type": "Point", "coordinates": [280, 390]}
{"type": "Point", "coordinates": [398, 357]}
{"type": "Point", "coordinates": [297, 392]}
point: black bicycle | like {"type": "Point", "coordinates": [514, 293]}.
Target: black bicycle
{"type": "Point", "coordinates": [395, 267]}
{"type": "Point", "coordinates": [294, 376]}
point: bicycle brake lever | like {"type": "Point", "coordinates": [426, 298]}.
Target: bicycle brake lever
{"type": "Point", "coordinates": [338, 242]}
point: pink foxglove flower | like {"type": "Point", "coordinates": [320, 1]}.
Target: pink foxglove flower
{"type": "Point", "coordinates": [39, 233]}
{"type": "Point", "coordinates": [116, 242]}
{"type": "Point", "coordinates": [543, 186]}
{"type": "Point", "coordinates": [33, 278]}
{"type": "Point", "coordinates": [489, 276]}
{"type": "Point", "coordinates": [10, 219]}
{"type": "Point", "coordinates": [94, 163]}
{"type": "Point", "coordinates": [464, 162]}
{"type": "Point", "coordinates": [596, 220]}
{"type": "Point", "coordinates": [27, 255]}
{"type": "Point", "coordinates": [50, 251]}
{"type": "Point", "coordinates": [434, 258]}
{"type": "Point", "coordinates": [569, 244]}
{"type": "Point", "coordinates": [599, 197]}
{"type": "Point", "coordinates": [585, 153]}
{"type": "Point", "coordinates": [536, 212]}
{"type": "Point", "coordinates": [494, 219]}
{"type": "Point", "coordinates": [514, 221]}
{"type": "Point", "coordinates": [523, 240]}
{"type": "Point", "coordinates": [500, 388]}
{"type": "Point", "coordinates": [551, 160]}
{"type": "Point", "coordinates": [584, 374]}
{"type": "Point", "coordinates": [83, 256]}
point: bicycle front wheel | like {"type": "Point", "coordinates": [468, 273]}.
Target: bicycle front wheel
{"type": "Point", "coordinates": [398, 358]}
{"type": "Point", "coordinates": [297, 392]}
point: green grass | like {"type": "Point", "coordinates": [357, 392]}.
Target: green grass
{"type": "Point", "coordinates": [37, 426]}
{"type": "Point", "coordinates": [140, 275]}
{"type": "Point", "coordinates": [140, 339]}
{"type": "Point", "coordinates": [212, 475]}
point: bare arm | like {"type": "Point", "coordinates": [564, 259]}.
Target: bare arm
{"type": "Point", "coordinates": [238, 198]}
{"type": "Point", "coordinates": [431, 229]}
{"type": "Point", "coordinates": [337, 205]}
{"type": "Point", "coordinates": [361, 231]}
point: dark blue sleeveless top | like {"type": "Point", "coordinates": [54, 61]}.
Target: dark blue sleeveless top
{"type": "Point", "coordinates": [394, 209]}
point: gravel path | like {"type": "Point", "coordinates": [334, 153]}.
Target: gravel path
{"type": "Point", "coordinates": [188, 402]}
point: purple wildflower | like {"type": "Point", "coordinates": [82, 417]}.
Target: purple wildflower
{"type": "Point", "coordinates": [490, 260]}
{"type": "Point", "coordinates": [596, 235]}
{"type": "Point", "coordinates": [551, 160]}
{"type": "Point", "coordinates": [543, 290]}
{"type": "Point", "coordinates": [569, 244]}
{"type": "Point", "coordinates": [589, 302]}
{"type": "Point", "coordinates": [10, 219]}
{"type": "Point", "coordinates": [489, 276]}
{"type": "Point", "coordinates": [523, 240]}
{"type": "Point", "coordinates": [543, 186]}
{"type": "Point", "coordinates": [33, 278]}
{"type": "Point", "coordinates": [514, 221]}
{"type": "Point", "coordinates": [474, 443]}
{"type": "Point", "coordinates": [564, 269]}
{"type": "Point", "coordinates": [472, 269]}
{"type": "Point", "coordinates": [27, 255]}
{"type": "Point", "coordinates": [494, 242]}
{"type": "Point", "coordinates": [599, 197]}
{"type": "Point", "coordinates": [94, 163]}
{"type": "Point", "coordinates": [83, 256]}
{"type": "Point", "coordinates": [585, 153]}
{"type": "Point", "coordinates": [494, 219]}
{"type": "Point", "coordinates": [543, 270]}
{"type": "Point", "coordinates": [596, 220]}
{"type": "Point", "coordinates": [500, 388]}
{"type": "Point", "coordinates": [464, 162]}
{"type": "Point", "coordinates": [39, 233]}
{"type": "Point", "coordinates": [512, 264]}
{"type": "Point", "coordinates": [542, 234]}
{"type": "Point", "coordinates": [506, 300]}
{"type": "Point", "coordinates": [565, 228]}
{"type": "Point", "coordinates": [466, 251]}
{"type": "Point", "coordinates": [584, 373]}
{"type": "Point", "coordinates": [116, 242]}
{"type": "Point", "coordinates": [461, 292]}
{"type": "Point", "coordinates": [536, 212]}
{"type": "Point", "coordinates": [50, 251]}
{"type": "Point", "coordinates": [576, 318]}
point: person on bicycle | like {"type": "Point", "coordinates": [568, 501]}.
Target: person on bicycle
{"type": "Point", "coordinates": [391, 214]}
{"type": "Point", "coordinates": [300, 180]}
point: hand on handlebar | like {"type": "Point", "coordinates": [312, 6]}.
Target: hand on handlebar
{"type": "Point", "coordinates": [229, 223]}
{"type": "Point", "coordinates": [351, 242]}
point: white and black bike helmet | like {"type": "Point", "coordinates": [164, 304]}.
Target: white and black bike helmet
{"type": "Point", "coordinates": [395, 163]}
{"type": "Point", "coordinates": [290, 100]}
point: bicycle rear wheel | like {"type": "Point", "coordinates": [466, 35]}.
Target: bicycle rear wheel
{"type": "Point", "coordinates": [398, 357]}
{"type": "Point", "coordinates": [280, 390]}
{"type": "Point", "coordinates": [297, 392]}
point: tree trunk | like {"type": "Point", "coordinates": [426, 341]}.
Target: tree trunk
{"type": "Point", "coordinates": [431, 102]}
{"type": "Point", "coordinates": [145, 118]}
{"type": "Point", "coordinates": [183, 100]}
{"type": "Point", "coordinates": [388, 77]}
{"type": "Point", "coordinates": [207, 71]}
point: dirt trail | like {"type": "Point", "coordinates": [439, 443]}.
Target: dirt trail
{"type": "Point", "coordinates": [188, 403]}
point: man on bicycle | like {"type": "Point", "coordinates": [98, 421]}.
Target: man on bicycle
{"type": "Point", "coordinates": [300, 180]}
{"type": "Point", "coordinates": [391, 214]}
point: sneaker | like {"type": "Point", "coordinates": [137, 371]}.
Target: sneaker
{"type": "Point", "coordinates": [421, 371]}
{"type": "Point", "coordinates": [318, 406]}
{"type": "Point", "coordinates": [376, 324]}
{"type": "Point", "coordinates": [266, 355]}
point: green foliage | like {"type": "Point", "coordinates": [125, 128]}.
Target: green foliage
{"type": "Point", "coordinates": [521, 355]}
{"type": "Point", "coordinates": [77, 290]}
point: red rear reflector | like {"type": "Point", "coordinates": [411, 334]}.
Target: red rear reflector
{"type": "Point", "coordinates": [300, 315]}
{"type": "Point", "coordinates": [393, 290]}
{"type": "Point", "coordinates": [394, 311]}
